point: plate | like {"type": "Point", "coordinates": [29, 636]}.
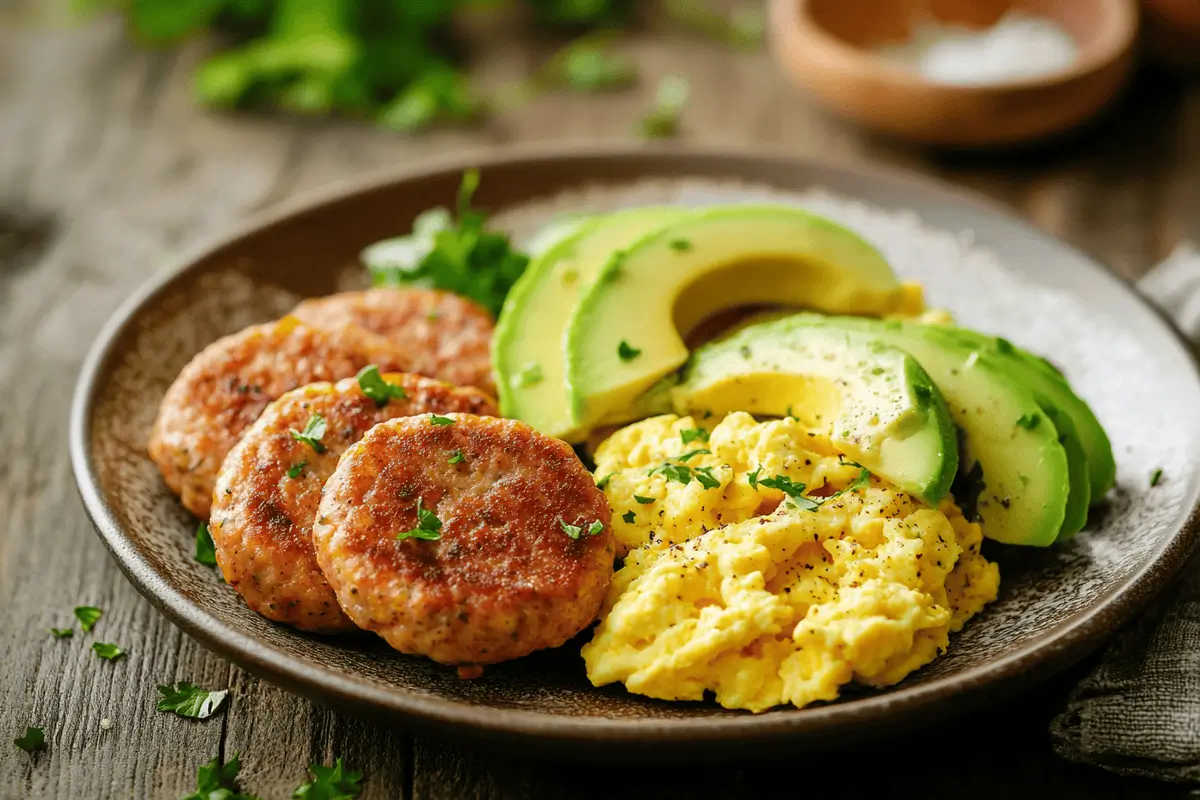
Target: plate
{"type": "Point", "coordinates": [995, 272]}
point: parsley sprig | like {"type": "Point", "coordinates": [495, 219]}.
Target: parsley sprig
{"type": "Point", "coordinates": [206, 550]}
{"type": "Point", "coordinates": [33, 740]}
{"type": "Point", "coordinates": [88, 616]}
{"type": "Point", "coordinates": [109, 652]}
{"type": "Point", "coordinates": [429, 527]}
{"type": "Point", "coordinates": [374, 387]}
{"type": "Point", "coordinates": [795, 489]}
{"type": "Point", "coordinates": [574, 531]}
{"type": "Point", "coordinates": [189, 700]}
{"type": "Point", "coordinates": [330, 783]}
{"type": "Point", "coordinates": [217, 781]}
{"type": "Point", "coordinates": [312, 434]}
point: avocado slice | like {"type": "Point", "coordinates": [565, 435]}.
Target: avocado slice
{"type": "Point", "coordinates": [1013, 473]}
{"type": "Point", "coordinates": [527, 350]}
{"type": "Point", "coordinates": [875, 402]}
{"type": "Point", "coordinates": [625, 333]}
{"type": "Point", "coordinates": [1054, 388]}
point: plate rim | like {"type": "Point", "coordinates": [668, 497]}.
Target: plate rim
{"type": "Point", "coordinates": [1037, 659]}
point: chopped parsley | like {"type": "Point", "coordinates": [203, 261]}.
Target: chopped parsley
{"type": "Point", "coordinates": [296, 469]}
{"type": "Point", "coordinates": [531, 375]}
{"type": "Point", "coordinates": [428, 528]}
{"type": "Point", "coordinates": [312, 433]}
{"type": "Point", "coordinates": [330, 783]}
{"type": "Point", "coordinates": [627, 352]}
{"type": "Point", "coordinates": [109, 652]}
{"type": "Point", "coordinates": [629, 517]}
{"type": "Point", "coordinates": [793, 490]}
{"type": "Point", "coordinates": [62, 633]}
{"type": "Point", "coordinates": [574, 531]}
{"type": "Point", "coordinates": [217, 781]}
{"type": "Point", "coordinates": [706, 478]}
{"type": "Point", "coordinates": [681, 245]}
{"type": "Point", "coordinates": [434, 419]}
{"type": "Point", "coordinates": [1029, 421]}
{"type": "Point", "coordinates": [374, 387]}
{"type": "Point", "coordinates": [675, 472]}
{"type": "Point", "coordinates": [206, 551]}
{"type": "Point", "coordinates": [693, 453]}
{"type": "Point", "coordinates": [752, 478]}
{"type": "Point", "coordinates": [190, 701]}
{"type": "Point", "coordinates": [602, 484]}
{"type": "Point", "coordinates": [662, 120]}
{"type": "Point", "coordinates": [689, 435]}
{"type": "Point", "coordinates": [1156, 477]}
{"type": "Point", "coordinates": [33, 740]}
{"type": "Point", "coordinates": [88, 616]}
{"type": "Point", "coordinates": [456, 457]}
{"type": "Point", "coordinates": [644, 501]}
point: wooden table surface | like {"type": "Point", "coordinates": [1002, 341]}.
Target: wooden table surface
{"type": "Point", "coordinates": [107, 170]}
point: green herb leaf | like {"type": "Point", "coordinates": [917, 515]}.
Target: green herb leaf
{"type": "Point", "coordinates": [706, 478]}
{"type": "Point", "coordinates": [690, 435]}
{"type": "Point", "coordinates": [109, 652]}
{"type": "Point", "coordinates": [374, 387]}
{"type": "Point", "coordinates": [206, 551]}
{"type": "Point", "coordinates": [428, 526]}
{"type": "Point", "coordinates": [861, 482]}
{"type": "Point", "coordinates": [703, 451]}
{"type": "Point", "coordinates": [33, 740]}
{"type": "Point", "coordinates": [456, 457]}
{"type": "Point", "coordinates": [681, 245]}
{"type": "Point", "coordinates": [312, 433]}
{"type": "Point", "coordinates": [627, 352]}
{"type": "Point", "coordinates": [439, 94]}
{"type": "Point", "coordinates": [645, 501]}
{"type": "Point", "coordinates": [629, 517]}
{"type": "Point", "coordinates": [330, 783]}
{"type": "Point", "coordinates": [88, 616]}
{"type": "Point", "coordinates": [217, 781]}
{"type": "Point", "coordinates": [752, 478]}
{"type": "Point", "coordinates": [602, 484]}
{"type": "Point", "coordinates": [188, 700]}
{"type": "Point", "coordinates": [1156, 477]}
{"type": "Point", "coordinates": [596, 528]}
{"type": "Point", "coordinates": [62, 633]}
{"type": "Point", "coordinates": [434, 419]}
{"type": "Point", "coordinates": [570, 530]}
{"type": "Point", "coordinates": [531, 375]}
{"type": "Point", "coordinates": [662, 121]}
{"type": "Point", "coordinates": [675, 472]}
{"type": "Point", "coordinates": [1029, 421]}
{"type": "Point", "coordinates": [793, 490]}
{"type": "Point", "coordinates": [295, 470]}
{"type": "Point", "coordinates": [743, 27]}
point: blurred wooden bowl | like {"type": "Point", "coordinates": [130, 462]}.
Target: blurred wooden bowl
{"type": "Point", "coordinates": [825, 47]}
{"type": "Point", "coordinates": [1172, 31]}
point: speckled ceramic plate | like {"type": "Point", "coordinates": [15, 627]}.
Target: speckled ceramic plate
{"type": "Point", "coordinates": [993, 271]}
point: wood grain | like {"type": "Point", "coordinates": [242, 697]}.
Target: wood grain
{"type": "Point", "coordinates": [106, 166]}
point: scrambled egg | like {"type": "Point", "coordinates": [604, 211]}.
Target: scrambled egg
{"type": "Point", "coordinates": [733, 587]}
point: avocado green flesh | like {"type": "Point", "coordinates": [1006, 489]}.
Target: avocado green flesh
{"type": "Point", "coordinates": [875, 402]}
{"type": "Point", "coordinates": [1079, 500]}
{"type": "Point", "coordinates": [527, 351]}
{"type": "Point", "coordinates": [669, 281]}
{"type": "Point", "coordinates": [1024, 490]}
{"type": "Point", "coordinates": [1050, 383]}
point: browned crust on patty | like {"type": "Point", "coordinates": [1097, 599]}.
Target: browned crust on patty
{"type": "Point", "coordinates": [446, 336]}
{"type": "Point", "coordinates": [504, 579]}
{"type": "Point", "coordinates": [262, 516]}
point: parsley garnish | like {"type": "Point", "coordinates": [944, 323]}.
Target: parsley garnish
{"type": "Point", "coordinates": [374, 387]}
{"type": "Point", "coordinates": [295, 469]}
{"type": "Point", "coordinates": [190, 701]}
{"type": "Point", "coordinates": [693, 453]}
{"type": "Point", "coordinates": [206, 551]}
{"type": "Point", "coordinates": [794, 491]}
{"type": "Point", "coordinates": [681, 245]}
{"type": "Point", "coordinates": [109, 652]}
{"type": "Point", "coordinates": [645, 501]}
{"type": "Point", "coordinates": [752, 478]}
{"type": "Point", "coordinates": [434, 419]}
{"type": "Point", "coordinates": [602, 484]}
{"type": "Point", "coordinates": [330, 783]}
{"type": "Point", "coordinates": [627, 352]}
{"type": "Point", "coordinates": [456, 457]}
{"type": "Point", "coordinates": [217, 781]}
{"type": "Point", "coordinates": [675, 472]}
{"type": "Point", "coordinates": [706, 478]}
{"type": "Point", "coordinates": [88, 616]}
{"type": "Point", "coordinates": [1156, 477]}
{"type": "Point", "coordinates": [629, 517]}
{"type": "Point", "coordinates": [33, 740]}
{"type": "Point", "coordinates": [662, 120]}
{"type": "Point", "coordinates": [62, 633]}
{"type": "Point", "coordinates": [689, 435]}
{"type": "Point", "coordinates": [574, 531]}
{"type": "Point", "coordinates": [1029, 421]}
{"type": "Point", "coordinates": [312, 433]}
{"type": "Point", "coordinates": [531, 375]}
{"type": "Point", "coordinates": [428, 526]}
{"type": "Point", "coordinates": [458, 256]}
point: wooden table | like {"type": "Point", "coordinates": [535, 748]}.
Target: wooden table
{"type": "Point", "coordinates": [107, 170]}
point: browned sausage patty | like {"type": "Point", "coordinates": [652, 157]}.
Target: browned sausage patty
{"type": "Point", "coordinates": [446, 336]}
{"type": "Point", "coordinates": [227, 385]}
{"type": "Point", "coordinates": [270, 485]}
{"type": "Point", "coordinates": [521, 552]}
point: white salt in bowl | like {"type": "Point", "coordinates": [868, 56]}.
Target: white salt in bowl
{"type": "Point", "coordinates": [831, 49]}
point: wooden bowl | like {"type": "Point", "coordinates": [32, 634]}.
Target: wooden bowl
{"type": "Point", "coordinates": [824, 45]}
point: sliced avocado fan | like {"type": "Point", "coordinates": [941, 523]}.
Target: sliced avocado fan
{"type": "Point", "coordinates": [874, 402]}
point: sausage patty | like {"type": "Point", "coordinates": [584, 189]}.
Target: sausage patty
{"type": "Point", "coordinates": [446, 336]}
{"type": "Point", "coordinates": [227, 385]}
{"type": "Point", "coordinates": [270, 485]}
{"type": "Point", "coordinates": [466, 539]}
